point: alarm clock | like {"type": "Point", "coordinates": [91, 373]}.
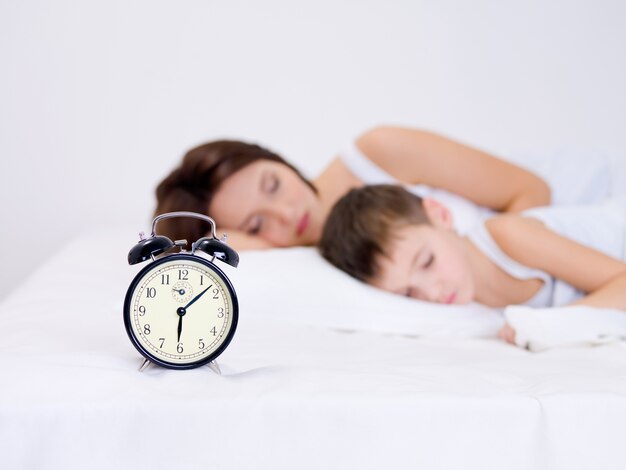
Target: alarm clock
{"type": "Point", "coordinates": [181, 310]}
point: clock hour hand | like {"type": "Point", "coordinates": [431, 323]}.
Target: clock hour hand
{"type": "Point", "coordinates": [197, 297]}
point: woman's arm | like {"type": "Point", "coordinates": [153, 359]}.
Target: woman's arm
{"type": "Point", "coordinates": [415, 156]}
{"type": "Point", "coordinates": [531, 243]}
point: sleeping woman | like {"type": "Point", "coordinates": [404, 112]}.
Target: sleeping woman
{"type": "Point", "coordinates": [262, 201]}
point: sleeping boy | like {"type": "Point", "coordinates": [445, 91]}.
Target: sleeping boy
{"type": "Point", "coordinates": [546, 257]}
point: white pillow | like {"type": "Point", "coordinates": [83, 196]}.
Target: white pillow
{"type": "Point", "coordinates": [296, 285]}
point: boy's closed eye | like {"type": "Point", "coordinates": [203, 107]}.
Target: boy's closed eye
{"type": "Point", "coordinates": [429, 259]}
{"type": "Point", "coordinates": [426, 261]}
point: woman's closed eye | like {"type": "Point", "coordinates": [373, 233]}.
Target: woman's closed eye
{"type": "Point", "coordinates": [255, 225]}
{"type": "Point", "coordinates": [271, 184]}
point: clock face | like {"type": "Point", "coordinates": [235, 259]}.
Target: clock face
{"type": "Point", "coordinates": [181, 311]}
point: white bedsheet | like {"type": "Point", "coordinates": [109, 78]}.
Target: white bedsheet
{"type": "Point", "coordinates": [297, 393]}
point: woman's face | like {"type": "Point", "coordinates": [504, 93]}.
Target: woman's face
{"type": "Point", "coordinates": [269, 200]}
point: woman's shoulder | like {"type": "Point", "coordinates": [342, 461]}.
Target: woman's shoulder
{"type": "Point", "coordinates": [352, 159]}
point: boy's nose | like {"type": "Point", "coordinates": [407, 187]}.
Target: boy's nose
{"type": "Point", "coordinates": [434, 292]}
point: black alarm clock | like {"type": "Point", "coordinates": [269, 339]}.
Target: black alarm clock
{"type": "Point", "coordinates": [181, 310]}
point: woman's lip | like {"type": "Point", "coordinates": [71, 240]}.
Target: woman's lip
{"type": "Point", "coordinates": [303, 224]}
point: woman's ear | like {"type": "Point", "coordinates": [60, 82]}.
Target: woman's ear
{"type": "Point", "coordinates": [439, 215]}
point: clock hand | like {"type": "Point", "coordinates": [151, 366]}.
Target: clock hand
{"type": "Point", "coordinates": [180, 291]}
{"type": "Point", "coordinates": [182, 311]}
{"type": "Point", "coordinates": [180, 327]}
{"type": "Point", "coordinates": [197, 297]}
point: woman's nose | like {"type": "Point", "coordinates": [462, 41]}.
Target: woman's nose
{"type": "Point", "coordinates": [286, 214]}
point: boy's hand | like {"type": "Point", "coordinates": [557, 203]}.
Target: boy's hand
{"type": "Point", "coordinates": [507, 333]}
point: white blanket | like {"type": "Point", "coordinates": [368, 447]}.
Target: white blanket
{"type": "Point", "coordinates": [298, 390]}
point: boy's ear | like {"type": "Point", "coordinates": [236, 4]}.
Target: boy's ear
{"type": "Point", "coordinates": [439, 215]}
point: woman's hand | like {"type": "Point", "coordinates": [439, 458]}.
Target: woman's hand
{"type": "Point", "coordinates": [418, 157]}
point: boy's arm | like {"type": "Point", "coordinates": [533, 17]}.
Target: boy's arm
{"type": "Point", "coordinates": [416, 156]}
{"type": "Point", "coordinates": [531, 243]}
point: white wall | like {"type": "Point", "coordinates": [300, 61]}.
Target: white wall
{"type": "Point", "coordinates": [99, 100]}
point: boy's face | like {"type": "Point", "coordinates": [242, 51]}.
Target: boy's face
{"type": "Point", "coordinates": [427, 262]}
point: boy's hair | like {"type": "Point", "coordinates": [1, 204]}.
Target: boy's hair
{"type": "Point", "coordinates": [361, 225]}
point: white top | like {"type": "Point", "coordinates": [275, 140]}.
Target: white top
{"type": "Point", "coordinates": [601, 226]}
{"type": "Point", "coordinates": [465, 213]}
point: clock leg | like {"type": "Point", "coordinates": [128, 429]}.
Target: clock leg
{"type": "Point", "coordinates": [214, 366]}
{"type": "Point", "coordinates": [145, 364]}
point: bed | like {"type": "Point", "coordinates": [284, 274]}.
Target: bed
{"type": "Point", "coordinates": [323, 372]}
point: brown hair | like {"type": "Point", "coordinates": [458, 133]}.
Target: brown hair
{"type": "Point", "coordinates": [192, 185]}
{"type": "Point", "coordinates": [361, 224]}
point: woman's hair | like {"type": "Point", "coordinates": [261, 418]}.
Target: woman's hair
{"type": "Point", "coordinates": [360, 227]}
{"type": "Point", "coordinates": [192, 185]}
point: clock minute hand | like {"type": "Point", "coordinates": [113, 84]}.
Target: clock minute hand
{"type": "Point", "coordinates": [180, 327]}
{"type": "Point", "coordinates": [197, 297]}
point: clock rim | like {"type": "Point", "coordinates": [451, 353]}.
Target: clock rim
{"type": "Point", "coordinates": [139, 346]}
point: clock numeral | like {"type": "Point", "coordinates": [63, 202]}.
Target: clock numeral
{"type": "Point", "coordinates": [151, 292]}
{"type": "Point", "coordinates": [142, 310]}
{"type": "Point", "coordinates": [215, 292]}
{"type": "Point", "coordinates": [201, 280]}
{"type": "Point", "coordinates": [146, 329]}
{"type": "Point", "coordinates": [214, 331]}
{"type": "Point", "coordinates": [182, 275]}
{"type": "Point", "coordinates": [201, 344]}
{"type": "Point", "coordinates": [179, 348]}
{"type": "Point", "coordinates": [165, 279]}
{"type": "Point", "coordinates": [220, 312]}
{"type": "Point", "coordinates": [162, 342]}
